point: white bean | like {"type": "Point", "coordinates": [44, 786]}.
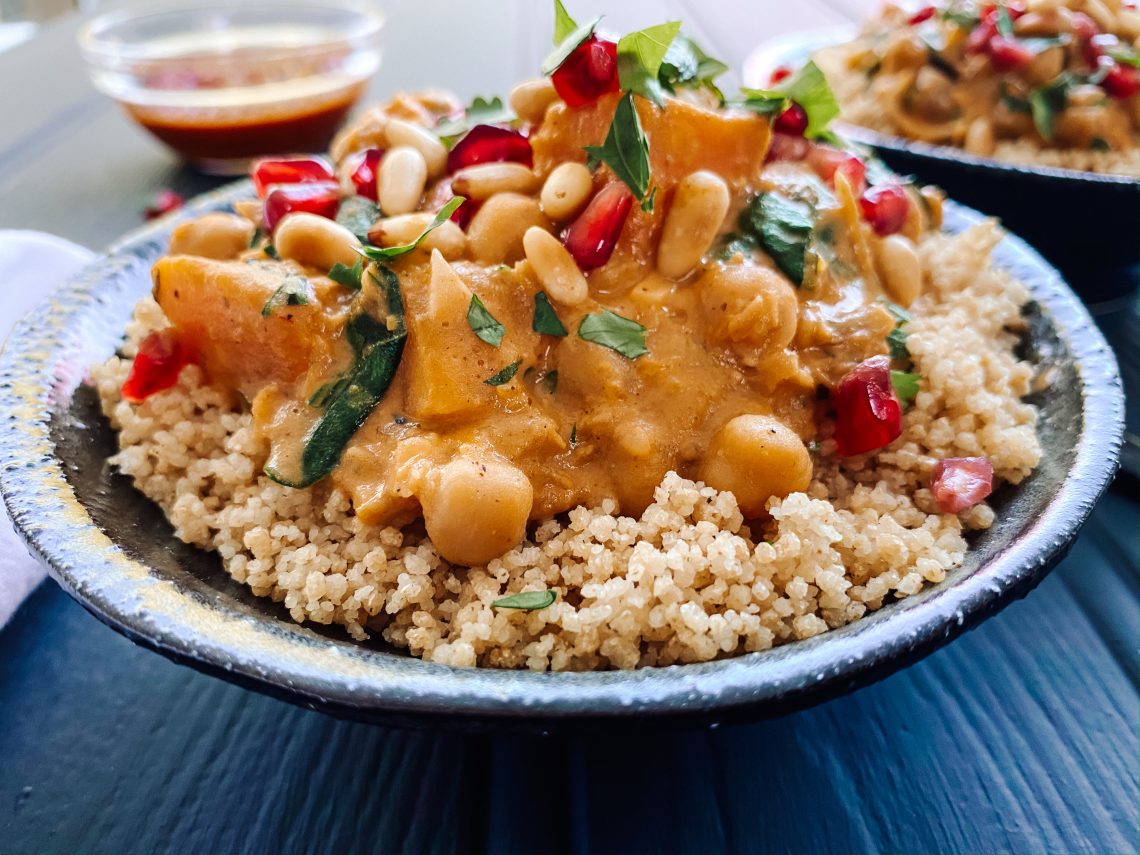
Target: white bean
{"type": "Point", "coordinates": [900, 269]}
{"type": "Point", "coordinates": [315, 241]}
{"type": "Point", "coordinates": [566, 191]}
{"type": "Point", "coordinates": [401, 133]}
{"type": "Point", "coordinates": [699, 206]}
{"type": "Point", "coordinates": [400, 184]}
{"type": "Point", "coordinates": [400, 230]}
{"type": "Point", "coordinates": [555, 267]}
{"type": "Point", "coordinates": [484, 180]}
{"type": "Point", "coordinates": [531, 98]}
{"type": "Point", "coordinates": [495, 233]}
{"type": "Point", "coordinates": [216, 235]}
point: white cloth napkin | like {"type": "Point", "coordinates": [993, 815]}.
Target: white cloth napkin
{"type": "Point", "coordinates": [32, 264]}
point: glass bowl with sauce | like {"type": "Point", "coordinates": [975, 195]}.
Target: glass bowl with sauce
{"type": "Point", "coordinates": [222, 84]}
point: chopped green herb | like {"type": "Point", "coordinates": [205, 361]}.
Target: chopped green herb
{"type": "Point", "coordinates": [294, 291]}
{"type": "Point", "coordinates": [1045, 102]}
{"type": "Point", "coordinates": [347, 276]}
{"type": "Point", "coordinates": [639, 58]}
{"type": "Point", "coordinates": [357, 214]}
{"type": "Point", "coordinates": [565, 45]}
{"type": "Point", "coordinates": [574, 435]}
{"type": "Point", "coordinates": [1100, 144]}
{"type": "Point", "coordinates": [906, 386]}
{"type": "Point", "coordinates": [784, 227]}
{"type": "Point", "coordinates": [375, 253]}
{"type": "Point", "coordinates": [257, 237]}
{"type": "Point", "coordinates": [896, 341]}
{"type": "Point", "coordinates": [378, 350]}
{"type": "Point", "coordinates": [527, 601]}
{"type": "Point", "coordinates": [504, 375]}
{"type": "Point", "coordinates": [479, 112]}
{"type": "Point", "coordinates": [1013, 103]}
{"type": "Point", "coordinates": [270, 250]}
{"type": "Point", "coordinates": [611, 330]}
{"type": "Point", "coordinates": [546, 320]}
{"type": "Point", "coordinates": [483, 323]}
{"type": "Point", "coordinates": [808, 88]}
{"type": "Point", "coordinates": [626, 149]}
{"type": "Point", "coordinates": [648, 202]}
{"type": "Point", "coordinates": [685, 64]}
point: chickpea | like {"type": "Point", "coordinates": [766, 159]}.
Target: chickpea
{"type": "Point", "coordinates": [495, 234]}
{"type": "Point", "coordinates": [475, 510]}
{"type": "Point", "coordinates": [749, 307]}
{"type": "Point", "coordinates": [756, 458]}
{"type": "Point", "coordinates": [219, 236]}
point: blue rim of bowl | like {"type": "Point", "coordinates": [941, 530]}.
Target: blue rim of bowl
{"type": "Point", "coordinates": [289, 660]}
{"type": "Point", "coordinates": [795, 48]}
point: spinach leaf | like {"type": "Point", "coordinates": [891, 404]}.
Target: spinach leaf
{"type": "Point", "coordinates": [347, 276]}
{"type": "Point", "coordinates": [294, 291]}
{"type": "Point", "coordinates": [357, 214]}
{"type": "Point", "coordinates": [784, 227]}
{"type": "Point", "coordinates": [376, 253]}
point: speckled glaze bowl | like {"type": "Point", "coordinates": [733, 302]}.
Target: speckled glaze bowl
{"type": "Point", "coordinates": [112, 549]}
{"type": "Point", "coordinates": [1085, 223]}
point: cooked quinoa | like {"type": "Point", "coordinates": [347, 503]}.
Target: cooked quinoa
{"type": "Point", "coordinates": [688, 581]}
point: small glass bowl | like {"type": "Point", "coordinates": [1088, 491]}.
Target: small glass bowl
{"type": "Point", "coordinates": [223, 84]}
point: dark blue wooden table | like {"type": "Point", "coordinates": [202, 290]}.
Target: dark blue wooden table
{"type": "Point", "coordinates": [1023, 736]}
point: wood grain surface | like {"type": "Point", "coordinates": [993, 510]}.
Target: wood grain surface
{"type": "Point", "coordinates": [1020, 737]}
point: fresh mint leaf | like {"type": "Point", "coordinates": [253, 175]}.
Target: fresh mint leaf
{"type": "Point", "coordinates": [376, 253]}
{"type": "Point", "coordinates": [294, 291]}
{"type": "Point", "coordinates": [565, 46]}
{"type": "Point", "coordinates": [347, 276]}
{"type": "Point", "coordinates": [479, 112]}
{"type": "Point", "coordinates": [626, 149]}
{"type": "Point", "coordinates": [504, 375]}
{"type": "Point", "coordinates": [611, 330]}
{"type": "Point", "coordinates": [483, 323]}
{"type": "Point", "coordinates": [1045, 102]}
{"type": "Point", "coordinates": [357, 214]}
{"type": "Point", "coordinates": [808, 88]}
{"type": "Point", "coordinates": [527, 601]}
{"type": "Point", "coordinates": [564, 25]}
{"type": "Point", "coordinates": [685, 64]}
{"type": "Point", "coordinates": [906, 386]}
{"type": "Point", "coordinates": [639, 57]}
{"type": "Point", "coordinates": [896, 341]}
{"type": "Point", "coordinates": [784, 227]}
{"type": "Point", "coordinates": [546, 320]}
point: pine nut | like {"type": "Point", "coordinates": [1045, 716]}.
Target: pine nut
{"type": "Point", "coordinates": [1100, 13]}
{"type": "Point", "coordinates": [531, 98]}
{"type": "Point", "coordinates": [315, 241]}
{"type": "Point", "coordinates": [215, 235]}
{"type": "Point", "coordinates": [1129, 21]}
{"type": "Point", "coordinates": [402, 133]}
{"type": "Point", "coordinates": [495, 233]}
{"type": "Point", "coordinates": [555, 267]}
{"type": "Point", "coordinates": [566, 191]}
{"type": "Point", "coordinates": [486, 179]}
{"type": "Point", "coordinates": [699, 206]}
{"type": "Point", "coordinates": [900, 269]}
{"type": "Point", "coordinates": [400, 184]}
{"type": "Point", "coordinates": [400, 230]}
{"type": "Point", "coordinates": [980, 137]}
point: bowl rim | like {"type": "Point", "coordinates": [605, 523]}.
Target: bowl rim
{"type": "Point", "coordinates": [292, 661]}
{"type": "Point", "coordinates": [96, 48]}
{"type": "Point", "coordinates": [795, 47]}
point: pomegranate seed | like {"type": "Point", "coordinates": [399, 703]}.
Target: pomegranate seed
{"type": "Point", "coordinates": [922, 15]}
{"type": "Point", "coordinates": [462, 215]}
{"type": "Point", "coordinates": [979, 39]}
{"type": "Point", "coordinates": [322, 199]}
{"type": "Point", "coordinates": [490, 144]}
{"type": "Point", "coordinates": [780, 72]}
{"type": "Point", "coordinates": [787, 147]}
{"type": "Point", "coordinates": [300, 170]}
{"type": "Point", "coordinates": [1007, 54]}
{"type": "Point", "coordinates": [588, 73]}
{"type": "Point", "coordinates": [156, 367]}
{"type": "Point", "coordinates": [794, 120]}
{"type": "Point", "coordinates": [165, 201]}
{"type": "Point", "coordinates": [886, 208]}
{"type": "Point", "coordinates": [1122, 81]}
{"type": "Point", "coordinates": [826, 161]}
{"type": "Point", "coordinates": [591, 238]}
{"type": "Point", "coordinates": [867, 412]}
{"type": "Point", "coordinates": [961, 482]}
{"type": "Point", "coordinates": [365, 166]}
{"type": "Point", "coordinates": [1084, 27]}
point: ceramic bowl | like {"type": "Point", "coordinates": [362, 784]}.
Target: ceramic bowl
{"type": "Point", "coordinates": [112, 550]}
